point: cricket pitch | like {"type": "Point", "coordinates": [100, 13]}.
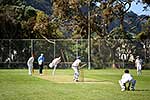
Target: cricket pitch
{"type": "Point", "coordinates": [69, 79]}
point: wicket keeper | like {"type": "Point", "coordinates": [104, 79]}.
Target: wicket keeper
{"type": "Point", "coordinates": [127, 78]}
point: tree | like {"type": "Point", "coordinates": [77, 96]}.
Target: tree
{"type": "Point", "coordinates": [11, 2]}
{"type": "Point", "coordinates": [16, 20]}
{"type": "Point", "coordinates": [71, 15]}
{"type": "Point", "coordinates": [10, 27]}
{"type": "Point", "coordinates": [145, 33]}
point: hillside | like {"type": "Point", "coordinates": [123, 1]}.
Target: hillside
{"type": "Point", "coordinates": [44, 5]}
{"type": "Point", "coordinates": [133, 22]}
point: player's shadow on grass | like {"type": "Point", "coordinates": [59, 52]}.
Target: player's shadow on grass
{"type": "Point", "coordinates": [142, 90]}
{"type": "Point", "coordinates": [97, 81]}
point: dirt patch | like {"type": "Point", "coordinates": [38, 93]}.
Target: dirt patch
{"type": "Point", "coordinates": [69, 79]}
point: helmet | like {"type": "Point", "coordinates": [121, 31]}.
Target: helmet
{"type": "Point", "coordinates": [137, 56]}
{"type": "Point", "coordinates": [78, 57]}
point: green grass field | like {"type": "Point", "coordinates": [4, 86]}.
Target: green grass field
{"type": "Point", "coordinates": [18, 85]}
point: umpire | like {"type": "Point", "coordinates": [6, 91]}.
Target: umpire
{"type": "Point", "coordinates": [41, 59]}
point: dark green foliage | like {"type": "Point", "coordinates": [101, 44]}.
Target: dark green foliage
{"type": "Point", "coordinates": [11, 20]}
{"type": "Point", "coordinates": [29, 12]}
{"type": "Point", "coordinates": [11, 2]}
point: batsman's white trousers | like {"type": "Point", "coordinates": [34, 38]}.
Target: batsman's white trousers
{"type": "Point", "coordinates": [76, 72]}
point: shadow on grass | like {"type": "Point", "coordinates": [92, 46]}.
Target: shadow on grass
{"type": "Point", "coordinates": [142, 90]}
{"type": "Point", "coordinates": [96, 81]}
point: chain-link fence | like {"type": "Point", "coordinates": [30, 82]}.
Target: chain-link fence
{"type": "Point", "coordinates": [15, 53]}
{"type": "Point", "coordinates": [120, 53]}
{"type": "Point", "coordinates": [103, 53]}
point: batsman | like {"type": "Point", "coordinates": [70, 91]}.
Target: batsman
{"type": "Point", "coordinates": [75, 66]}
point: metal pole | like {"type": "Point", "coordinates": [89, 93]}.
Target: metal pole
{"type": "Point", "coordinates": [9, 53]}
{"type": "Point", "coordinates": [89, 38]}
{"type": "Point", "coordinates": [54, 48]}
{"type": "Point", "coordinates": [145, 43]}
{"type": "Point", "coordinates": [32, 46]}
{"type": "Point", "coordinates": [77, 49]}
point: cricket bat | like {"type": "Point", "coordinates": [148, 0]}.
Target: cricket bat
{"type": "Point", "coordinates": [82, 66]}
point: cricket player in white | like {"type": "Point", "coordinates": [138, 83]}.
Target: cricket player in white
{"type": "Point", "coordinates": [30, 64]}
{"type": "Point", "coordinates": [75, 67]}
{"type": "Point", "coordinates": [54, 64]}
{"type": "Point", "coordinates": [138, 65]}
{"type": "Point", "coordinates": [127, 78]}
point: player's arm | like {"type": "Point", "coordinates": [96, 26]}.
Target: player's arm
{"type": "Point", "coordinates": [79, 65]}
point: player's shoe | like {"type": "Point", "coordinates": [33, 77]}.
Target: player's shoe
{"type": "Point", "coordinates": [122, 89]}
{"type": "Point", "coordinates": [133, 89]}
{"type": "Point", "coordinates": [77, 80]}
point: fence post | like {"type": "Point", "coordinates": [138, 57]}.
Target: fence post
{"type": "Point", "coordinates": [77, 52]}
{"type": "Point", "coordinates": [89, 39]}
{"type": "Point", "coordinates": [54, 48]}
{"type": "Point", "coordinates": [9, 52]}
{"type": "Point", "coordinates": [32, 46]}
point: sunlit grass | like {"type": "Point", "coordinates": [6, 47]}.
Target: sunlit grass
{"type": "Point", "coordinates": [18, 85]}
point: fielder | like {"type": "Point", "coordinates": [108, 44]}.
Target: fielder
{"type": "Point", "coordinates": [75, 67]}
{"type": "Point", "coordinates": [41, 59]}
{"type": "Point", "coordinates": [127, 78]}
{"type": "Point", "coordinates": [30, 64]}
{"type": "Point", "coordinates": [54, 64]}
{"type": "Point", "coordinates": [138, 65]}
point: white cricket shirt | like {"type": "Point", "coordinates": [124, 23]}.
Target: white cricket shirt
{"type": "Point", "coordinates": [76, 62]}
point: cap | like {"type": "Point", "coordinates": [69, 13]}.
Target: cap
{"type": "Point", "coordinates": [137, 56]}
{"type": "Point", "coordinates": [126, 71]}
{"type": "Point", "coordinates": [78, 57]}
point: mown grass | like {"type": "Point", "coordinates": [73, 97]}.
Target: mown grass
{"type": "Point", "coordinates": [18, 85]}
